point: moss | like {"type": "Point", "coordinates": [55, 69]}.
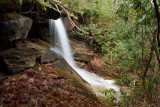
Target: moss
{"type": "Point", "coordinates": [11, 16]}
{"type": "Point", "coordinates": [40, 42]}
{"type": "Point", "coordinates": [109, 103]}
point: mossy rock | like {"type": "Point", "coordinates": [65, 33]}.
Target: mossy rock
{"type": "Point", "coordinates": [41, 43]}
{"type": "Point", "coordinates": [66, 71]}
{"type": "Point", "coordinates": [25, 55]}
{"type": "Point", "coordinates": [11, 16]}
{"type": "Point", "coordinates": [10, 4]}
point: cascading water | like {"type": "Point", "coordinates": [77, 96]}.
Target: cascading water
{"type": "Point", "coordinates": [57, 28]}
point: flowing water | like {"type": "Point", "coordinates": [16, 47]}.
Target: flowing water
{"type": "Point", "coordinates": [62, 47]}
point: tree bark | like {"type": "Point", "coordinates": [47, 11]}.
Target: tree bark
{"type": "Point", "coordinates": [158, 22]}
{"type": "Point", "coordinates": [147, 67]}
{"type": "Point", "coordinates": [142, 48]}
{"type": "Point", "coordinates": [145, 74]}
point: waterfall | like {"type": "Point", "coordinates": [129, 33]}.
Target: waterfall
{"type": "Point", "coordinates": [62, 47]}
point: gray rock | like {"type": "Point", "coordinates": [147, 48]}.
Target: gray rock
{"type": "Point", "coordinates": [80, 64]}
{"type": "Point", "coordinates": [15, 29]}
{"type": "Point", "coordinates": [24, 56]}
{"type": "Point", "coordinates": [43, 49]}
{"type": "Point", "coordinates": [66, 71]}
{"type": "Point", "coordinates": [82, 51]}
{"type": "Point", "coordinates": [10, 4]}
{"type": "Point", "coordinates": [16, 60]}
{"type": "Point", "coordinates": [83, 57]}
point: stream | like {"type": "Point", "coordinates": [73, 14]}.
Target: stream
{"type": "Point", "coordinates": [58, 32]}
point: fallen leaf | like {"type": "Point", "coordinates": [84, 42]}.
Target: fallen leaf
{"type": "Point", "coordinates": [53, 75]}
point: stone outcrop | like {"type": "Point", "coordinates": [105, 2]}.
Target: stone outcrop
{"type": "Point", "coordinates": [14, 29]}
{"type": "Point", "coordinates": [25, 55]}
{"type": "Point", "coordinates": [16, 60]}
{"type": "Point", "coordinates": [82, 57]}
{"type": "Point", "coordinates": [66, 71]}
{"type": "Point", "coordinates": [10, 4]}
{"type": "Point", "coordinates": [82, 52]}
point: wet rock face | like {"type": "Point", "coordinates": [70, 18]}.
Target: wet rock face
{"type": "Point", "coordinates": [66, 71]}
{"type": "Point", "coordinates": [24, 56]}
{"type": "Point", "coordinates": [10, 4]}
{"type": "Point", "coordinates": [15, 29]}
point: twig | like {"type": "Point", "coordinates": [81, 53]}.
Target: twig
{"type": "Point", "coordinates": [68, 14]}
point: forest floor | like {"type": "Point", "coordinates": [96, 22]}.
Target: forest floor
{"type": "Point", "coordinates": [98, 67]}
{"type": "Point", "coordinates": [41, 86]}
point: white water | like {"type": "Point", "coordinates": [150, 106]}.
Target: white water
{"type": "Point", "coordinates": [65, 50]}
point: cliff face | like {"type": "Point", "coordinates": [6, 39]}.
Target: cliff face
{"type": "Point", "coordinates": [15, 29]}
{"type": "Point", "coordinates": [17, 19]}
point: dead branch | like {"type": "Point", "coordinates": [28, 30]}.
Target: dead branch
{"type": "Point", "coordinates": [68, 15]}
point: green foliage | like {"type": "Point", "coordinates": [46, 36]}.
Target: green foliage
{"type": "Point", "coordinates": [124, 79]}
{"type": "Point", "coordinates": [12, 15]}
{"type": "Point", "coordinates": [91, 30]}
{"type": "Point", "coordinates": [44, 4]}
{"type": "Point", "coordinates": [125, 100]}
{"type": "Point", "coordinates": [151, 86]}
{"type": "Point", "coordinates": [122, 48]}
{"type": "Point", "coordinates": [109, 95]}
{"type": "Point", "coordinates": [123, 11]}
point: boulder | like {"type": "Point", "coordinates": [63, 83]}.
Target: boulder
{"type": "Point", "coordinates": [66, 71]}
{"type": "Point", "coordinates": [16, 60]}
{"type": "Point", "coordinates": [83, 57]}
{"type": "Point", "coordinates": [82, 51]}
{"type": "Point", "coordinates": [10, 4]}
{"type": "Point", "coordinates": [80, 64]}
{"type": "Point", "coordinates": [41, 42]}
{"type": "Point", "coordinates": [14, 29]}
{"type": "Point", "coordinates": [45, 54]}
{"type": "Point", "coordinates": [24, 56]}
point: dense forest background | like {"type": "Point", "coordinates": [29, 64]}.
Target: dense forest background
{"type": "Point", "coordinates": [127, 32]}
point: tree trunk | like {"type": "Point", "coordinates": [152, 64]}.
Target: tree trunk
{"type": "Point", "coordinates": [158, 22]}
